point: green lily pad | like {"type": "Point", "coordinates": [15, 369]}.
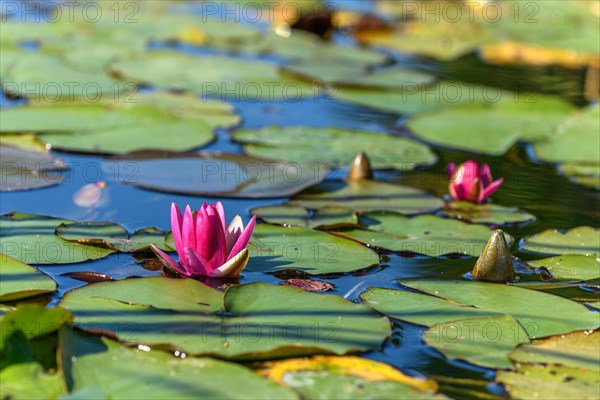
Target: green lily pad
{"type": "Point", "coordinates": [274, 248]}
{"type": "Point", "coordinates": [579, 349]}
{"type": "Point", "coordinates": [334, 145]}
{"type": "Point", "coordinates": [22, 169]}
{"type": "Point", "coordinates": [111, 235]}
{"type": "Point", "coordinates": [582, 240]}
{"type": "Point", "coordinates": [20, 281]}
{"type": "Point", "coordinates": [419, 309]}
{"type": "Point", "coordinates": [481, 341]}
{"type": "Point", "coordinates": [506, 122]}
{"type": "Point", "coordinates": [587, 173]}
{"type": "Point", "coordinates": [29, 381]}
{"type": "Point", "coordinates": [368, 195]}
{"type": "Point", "coordinates": [576, 291]}
{"type": "Point", "coordinates": [103, 129]}
{"type": "Point", "coordinates": [576, 140]}
{"type": "Point", "coordinates": [257, 321]}
{"type": "Point", "coordinates": [595, 304]}
{"type": "Point", "coordinates": [216, 174]}
{"type": "Point", "coordinates": [31, 239]}
{"type": "Point", "coordinates": [550, 382]}
{"type": "Point", "coordinates": [492, 214]}
{"type": "Point", "coordinates": [221, 76]}
{"type": "Point", "coordinates": [417, 97]}
{"type": "Point", "coordinates": [116, 371]}
{"type": "Point", "coordinates": [570, 267]}
{"type": "Point", "coordinates": [529, 307]}
{"type": "Point", "coordinates": [425, 234]}
{"type": "Point", "coordinates": [329, 217]}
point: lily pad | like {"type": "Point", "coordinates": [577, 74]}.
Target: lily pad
{"type": "Point", "coordinates": [111, 235]}
{"type": "Point", "coordinates": [31, 239]}
{"type": "Point", "coordinates": [416, 97]}
{"type": "Point", "coordinates": [327, 377]}
{"type": "Point", "coordinates": [425, 234]}
{"type": "Point", "coordinates": [576, 140]}
{"type": "Point", "coordinates": [20, 280]}
{"type": "Point", "coordinates": [329, 217]}
{"type": "Point", "coordinates": [25, 141]}
{"type": "Point", "coordinates": [587, 173]}
{"type": "Point", "coordinates": [570, 267]}
{"type": "Point", "coordinates": [226, 77]}
{"type": "Point", "coordinates": [334, 145]}
{"type": "Point", "coordinates": [29, 381]}
{"type": "Point", "coordinates": [22, 169]}
{"type": "Point", "coordinates": [90, 363]}
{"type": "Point", "coordinates": [368, 195]}
{"type": "Point", "coordinates": [582, 240]}
{"type": "Point", "coordinates": [274, 248]}
{"type": "Point", "coordinates": [506, 122]}
{"type": "Point", "coordinates": [579, 349]}
{"type": "Point", "coordinates": [492, 214]}
{"type": "Point", "coordinates": [529, 307]}
{"type": "Point", "coordinates": [257, 321]}
{"type": "Point", "coordinates": [481, 341]}
{"type": "Point", "coordinates": [216, 174]}
{"type": "Point", "coordinates": [419, 309]}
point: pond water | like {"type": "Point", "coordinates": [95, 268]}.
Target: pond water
{"type": "Point", "coordinates": [529, 184]}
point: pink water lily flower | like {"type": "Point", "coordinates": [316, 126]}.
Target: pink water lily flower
{"type": "Point", "coordinates": [470, 182]}
{"type": "Point", "coordinates": [206, 245]}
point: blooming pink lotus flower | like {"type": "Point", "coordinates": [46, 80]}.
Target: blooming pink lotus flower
{"type": "Point", "coordinates": [205, 244]}
{"type": "Point", "coordinates": [470, 182]}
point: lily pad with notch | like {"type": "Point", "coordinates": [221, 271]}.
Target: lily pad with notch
{"type": "Point", "coordinates": [217, 174]}
{"type": "Point", "coordinates": [199, 320]}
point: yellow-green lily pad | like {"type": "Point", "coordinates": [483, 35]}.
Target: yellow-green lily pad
{"type": "Point", "coordinates": [491, 214]}
{"type": "Point", "coordinates": [582, 240]}
{"type": "Point", "coordinates": [570, 267]}
{"type": "Point", "coordinates": [20, 280]}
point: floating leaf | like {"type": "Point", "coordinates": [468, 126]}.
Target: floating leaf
{"type": "Point", "coordinates": [587, 173]}
{"type": "Point", "coordinates": [524, 117]}
{"type": "Point", "coordinates": [221, 76]}
{"type": "Point", "coordinates": [274, 248]}
{"type": "Point", "coordinates": [550, 381]}
{"type": "Point", "coordinates": [334, 145]}
{"type": "Point", "coordinates": [570, 267]}
{"type": "Point", "coordinates": [25, 141]}
{"type": "Point", "coordinates": [582, 240]}
{"type": "Point", "coordinates": [309, 285]}
{"type": "Point", "coordinates": [118, 372]}
{"type": "Point", "coordinates": [19, 280]}
{"type": "Point", "coordinates": [426, 234]}
{"type": "Point", "coordinates": [579, 349]}
{"type": "Point", "coordinates": [491, 214]}
{"type": "Point", "coordinates": [329, 217]}
{"type": "Point", "coordinates": [481, 341]}
{"type": "Point", "coordinates": [29, 381]}
{"type": "Point", "coordinates": [31, 239]}
{"type": "Point", "coordinates": [111, 236]}
{"type": "Point", "coordinates": [326, 377]}
{"type": "Point", "coordinates": [529, 307]}
{"type": "Point", "coordinates": [216, 174]}
{"type": "Point", "coordinates": [22, 169]}
{"type": "Point", "coordinates": [257, 321]}
{"type": "Point", "coordinates": [367, 195]}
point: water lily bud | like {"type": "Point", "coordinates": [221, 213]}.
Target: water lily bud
{"type": "Point", "coordinates": [360, 168]}
{"type": "Point", "coordinates": [495, 263]}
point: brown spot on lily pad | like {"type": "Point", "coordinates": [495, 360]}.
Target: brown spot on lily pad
{"type": "Point", "coordinates": [309, 285]}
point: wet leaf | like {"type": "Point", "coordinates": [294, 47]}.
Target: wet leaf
{"type": "Point", "coordinates": [19, 280]}
{"type": "Point", "coordinates": [581, 240]}
{"type": "Point", "coordinates": [270, 321]}
{"type": "Point", "coordinates": [326, 377]}
{"type": "Point", "coordinates": [329, 217]}
{"type": "Point", "coordinates": [426, 234]}
{"type": "Point", "coordinates": [491, 214]}
{"type": "Point", "coordinates": [308, 285]}
{"type": "Point", "coordinates": [367, 195]}
{"type": "Point", "coordinates": [22, 169]}
{"type": "Point", "coordinates": [481, 341]}
{"type": "Point", "coordinates": [88, 276]}
{"type": "Point", "coordinates": [570, 267]}
{"type": "Point", "coordinates": [215, 174]}
{"type": "Point", "coordinates": [334, 145]}
{"type": "Point", "coordinates": [273, 248]}
{"type": "Point", "coordinates": [31, 239]}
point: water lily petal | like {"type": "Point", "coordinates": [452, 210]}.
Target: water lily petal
{"type": "Point", "coordinates": [176, 228]}
{"type": "Point", "coordinates": [197, 264]}
{"type": "Point", "coordinates": [450, 169]}
{"type": "Point", "coordinates": [168, 260]}
{"type": "Point", "coordinates": [211, 243]}
{"type": "Point", "coordinates": [243, 240]}
{"type": "Point", "coordinates": [233, 267]}
{"type": "Point", "coordinates": [221, 211]}
{"type": "Point", "coordinates": [485, 175]}
{"type": "Point", "coordinates": [188, 234]}
{"type": "Point", "coordinates": [488, 191]}
{"type": "Point", "coordinates": [234, 231]}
